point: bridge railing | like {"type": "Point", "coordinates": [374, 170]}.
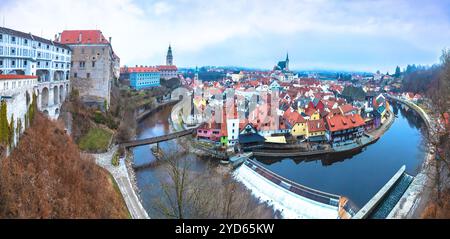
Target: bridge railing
{"type": "Point", "coordinates": [312, 194]}
{"type": "Point", "coordinates": [156, 139]}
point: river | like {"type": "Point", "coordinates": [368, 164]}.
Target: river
{"type": "Point", "coordinates": [357, 176]}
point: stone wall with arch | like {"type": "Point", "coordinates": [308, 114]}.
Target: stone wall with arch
{"type": "Point", "coordinates": [51, 95]}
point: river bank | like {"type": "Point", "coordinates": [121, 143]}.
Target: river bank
{"type": "Point", "coordinates": [414, 200]}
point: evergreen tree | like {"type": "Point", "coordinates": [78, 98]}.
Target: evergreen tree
{"type": "Point", "coordinates": [19, 128]}
{"type": "Point", "coordinates": [27, 122]}
{"type": "Point", "coordinates": [11, 131]}
{"type": "Point", "coordinates": [4, 131]}
{"type": "Point", "coordinates": [32, 109]}
{"type": "Point", "coordinates": [397, 72]}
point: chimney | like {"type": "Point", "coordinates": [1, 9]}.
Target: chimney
{"type": "Point", "coordinates": [110, 40]}
{"type": "Point", "coordinates": [79, 37]}
{"type": "Point", "coordinates": [59, 37]}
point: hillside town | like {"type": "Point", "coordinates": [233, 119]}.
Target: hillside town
{"type": "Point", "coordinates": [276, 109]}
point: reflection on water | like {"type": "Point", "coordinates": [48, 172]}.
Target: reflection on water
{"type": "Point", "coordinates": [148, 179]}
{"type": "Point", "coordinates": [358, 175]}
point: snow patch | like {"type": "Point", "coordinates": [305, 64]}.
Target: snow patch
{"type": "Point", "coordinates": [288, 203]}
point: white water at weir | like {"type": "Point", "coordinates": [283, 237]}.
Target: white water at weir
{"type": "Point", "coordinates": [290, 205]}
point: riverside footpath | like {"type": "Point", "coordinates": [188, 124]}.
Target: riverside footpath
{"type": "Point", "coordinates": [122, 178]}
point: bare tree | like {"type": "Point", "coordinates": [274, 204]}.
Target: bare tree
{"type": "Point", "coordinates": [175, 200]}
{"type": "Point", "coordinates": [438, 138]}
{"type": "Point", "coordinates": [206, 194]}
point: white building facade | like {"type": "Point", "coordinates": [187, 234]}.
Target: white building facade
{"type": "Point", "coordinates": [26, 54]}
{"type": "Point", "coordinates": [17, 91]}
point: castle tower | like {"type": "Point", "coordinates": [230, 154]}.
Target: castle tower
{"type": "Point", "coordinates": [169, 57]}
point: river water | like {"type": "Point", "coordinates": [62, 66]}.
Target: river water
{"type": "Point", "coordinates": [357, 176]}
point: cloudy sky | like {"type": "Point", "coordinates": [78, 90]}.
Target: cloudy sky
{"type": "Point", "coordinates": [365, 35]}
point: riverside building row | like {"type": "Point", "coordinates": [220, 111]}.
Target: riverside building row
{"type": "Point", "coordinates": [307, 111]}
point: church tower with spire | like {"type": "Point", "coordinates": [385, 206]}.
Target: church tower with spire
{"type": "Point", "coordinates": [169, 57]}
{"type": "Point", "coordinates": [287, 61]}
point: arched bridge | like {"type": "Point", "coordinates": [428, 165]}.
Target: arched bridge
{"type": "Point", "coordinates": [157, 139]}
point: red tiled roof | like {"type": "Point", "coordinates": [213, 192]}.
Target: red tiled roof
{"type": "Point", "coordinates": [293, 117]}
{"type": "Point", "coordinates": [446, 118]}
{"type": "Point", "coordinates": [336, 111]}
{"type": "Point", "coordinates": [15, 77]}
{"type": "Point", "coordinates": [341, 122]}
{"type": "Point", "coordinates": [142, 69]}
{"type": "Point", "coordinates": [316, 125]}
{"type": "Point", "coordinates": [310, 111]}
{"type": "Point", "coordinates": [346, 108]}
{"type": "Point", "coordinates": [167, 68]}
{"type": "Point", "coordinates": [87, 37]}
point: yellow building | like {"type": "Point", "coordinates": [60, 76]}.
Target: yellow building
{"type": "Point", "coordinates": [297, 122]}
{"type": "Point", "coordinates": [315, 116]}
{"type": "Point", "coordinates": [299, 129]}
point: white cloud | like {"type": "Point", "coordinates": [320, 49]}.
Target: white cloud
{"type": "Point", "coordinates": [141, 31]}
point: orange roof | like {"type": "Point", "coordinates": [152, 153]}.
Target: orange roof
{"type": "Point", "coordinates": [316, 125]}
{"type": "Point", "coordinates": [83, 37]}
{"type": "Point", "coordinates": [446, 118]}
{"type": "Point", "coordinates": [346, 108]}
{"type": "Point", "coordinates": [15, 77]}
{"type": "Point", "coordinates": [293, 117]}
{"type": "Point", "coordinates": [341, 122]}
{"type": "Point", "coordinates": [142, 69]}
{"type": "Point", "coordinates": [167, 68]}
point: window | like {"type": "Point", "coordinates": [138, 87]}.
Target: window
{"type": "Point", "coordinates": [88, 75]}
{"type": "Point", "coordinates": [1, 62]}
{"type": "Point", "coordinates": [82, 50]}
{"type": "Point", "coordinates": [13, 51]}
{"type": "Point", "coordinates": [39, 44]}
{"type": "Point", "coordinates": [82, 64]}
{"type": "Point", "coordinates": [57, 49]}
{"type": "Point", "coordinates": [56, 65]}
{"type": "Point", "coordinates": [38, 63]}
{"type": "Point", "coordinates": [48, 46]}
{"type": "Point", "coordinates": [25, 62]}
{"type": "Point", "coordinates": [93, 64]}
{"type": "Point", "coordinates": [75, 74]}
{"type": "Point", "coordinates": [26, 41]}
{"type": "Point", "coordinates": [13, 63]}
{"type": "Point", "coordinates": [46, 63]}
{"type": "Point", "coordinates": [13, 39]}
{"type": "Point", "coordinates": [1, 37]}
